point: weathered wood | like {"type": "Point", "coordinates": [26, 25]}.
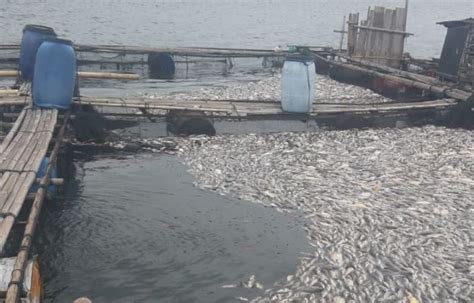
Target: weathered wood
{"type": "Point", "coordinates": [8, 92]}
{"type": "Point", "coordinates": [8, 101]}
{"type": "Point", "coordinates": [21, 159]}
{"type": "Point", "coordinates": [253, 108]}
{"type": "Point", "coordinates": [438, 89]}
{"type": "Point", "coordinates": [380, 38]}
{"type": "Point", "coordinates": [84, 75]}
{"type": "Point", "coordinates": [343, 31]}
{"type": "Point", "coordinates": [384, 30]}
{"type": "Point", "coordinates": [104, 75]}
{"type": "Point", "coordinates": [352, 32]}
{"type": "Point", "coordinates": [13, 291]}
{"type": "Point", "coordinates": [13, 131]}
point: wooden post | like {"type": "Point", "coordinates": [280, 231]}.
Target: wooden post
{"type": "Point", "coordinates": [342, 33]}
{"type": "Point", "coordinates": [406, 15]}
{"type": "Point", "coordinates": [352, 33]}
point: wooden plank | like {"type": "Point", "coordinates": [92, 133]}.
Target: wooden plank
{"type": "Point", "coordinates": [386, 38]}
{"type": "Point", "coordinates": [364, 35]}
{"type": "Point", "coordinates": [376, 36]}
{"type": "Point", "coordinates": [384, 30]}
{"type": "Point", "coordinates": [398, 42]}
{"type": "Point", "coordinates": [352, 33]}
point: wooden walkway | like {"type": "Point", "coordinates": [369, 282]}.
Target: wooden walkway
{"type": "Point", "coordinates": [247, 108]}
{"type": "Point", "coordinates": [21, 154]}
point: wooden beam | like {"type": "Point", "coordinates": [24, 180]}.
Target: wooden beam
{"type": "Point", "coordinates": [108, 75]}
{"type": "Point", "coordinates": [379, 29]}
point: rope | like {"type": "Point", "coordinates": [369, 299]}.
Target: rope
{"type": "Point", "coordinates": [8, 214]}
{"type": "Point", "coordinates": [30, 239]}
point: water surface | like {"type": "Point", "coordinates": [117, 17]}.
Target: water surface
{"type": "Point", "coordinates": [136, 230]}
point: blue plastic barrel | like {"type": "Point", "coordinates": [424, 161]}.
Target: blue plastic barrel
{"type": "Point", "coordinates": [298, 84]}
{"type": "Point", "coordinates": [41, 173]}
{"type": "Point", "coordinates": [161, 66]}
{"type": "Point", "coordinates": [55, 74]}
{"type": "Point", "coordinates": [33, 36]}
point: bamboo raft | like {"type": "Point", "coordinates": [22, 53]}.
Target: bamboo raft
{"type": "Point", "coordinates": [22, 152]}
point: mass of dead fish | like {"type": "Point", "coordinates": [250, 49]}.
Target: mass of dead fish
{"type": "Point", "coordinates": [326, 91]}
{"type": "Point", "coordinates": [389, 211]}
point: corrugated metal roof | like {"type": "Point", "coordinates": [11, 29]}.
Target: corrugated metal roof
{"type": "Point", "coordinates": [456, 23]}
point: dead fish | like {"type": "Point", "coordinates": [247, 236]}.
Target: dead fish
{"type": "Point", "coordinates": [229, 286]}
{"type": "Point", "coordinates": [367, 244]}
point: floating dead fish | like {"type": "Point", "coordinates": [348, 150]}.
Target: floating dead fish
{"type": "Point", "coordinates": [378, 226]}
{"type": "Point", "coordinates": [229, 286]}
{"type": "Point", "coordinates": [327, 90]}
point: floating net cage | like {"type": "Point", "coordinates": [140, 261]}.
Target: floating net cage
{"type": "Point", "coordinates": [159, 65]}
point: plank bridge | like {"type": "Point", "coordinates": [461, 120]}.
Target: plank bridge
{"type": "Point", "coordinates": [21, 155]}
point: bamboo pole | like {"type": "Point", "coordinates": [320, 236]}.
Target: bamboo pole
{"type": "Point", "coordinates": [84, 75]}
{"type": "Point", "coordinates": [13, 291]}
{"type": "Point", "coordinates": [17, 100]}
{"type": "Point", "coordinates": [13, 131]}
{"type": "Point", "coordinates": [103, 75]}
{"type": "Point", "coordinates": [9, 73]}
{"type": "Point", "coordinates": [8, 92]}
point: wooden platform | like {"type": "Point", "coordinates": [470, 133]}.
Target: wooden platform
{"type": "Point", "coordinates": [21, 154]}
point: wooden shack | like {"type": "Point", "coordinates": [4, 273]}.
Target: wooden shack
{"type": "Point", "coordinates": [457, 57]}
{"type": "Point", "coordinates": [380, 38]}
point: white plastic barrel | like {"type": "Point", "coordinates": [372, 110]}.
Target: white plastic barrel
{"type": "Point", "coordinates": [297, 84]}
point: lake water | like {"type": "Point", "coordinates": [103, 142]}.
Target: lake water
{"type": "Point", "coordinates": [216, 23]}
{"type": "Point", "coordinates": [221, 23]}
{"type": "Point", "coordinates": [135, 229]}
